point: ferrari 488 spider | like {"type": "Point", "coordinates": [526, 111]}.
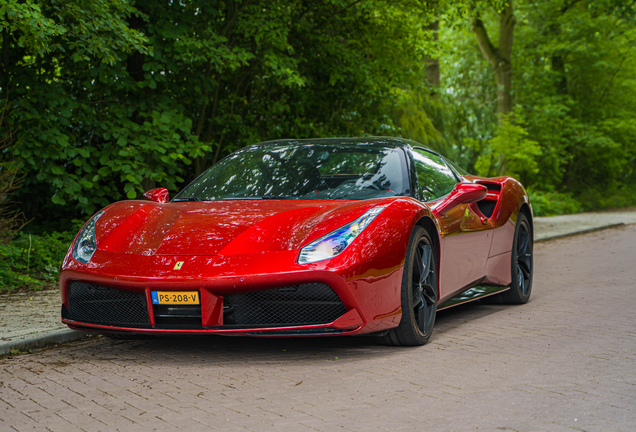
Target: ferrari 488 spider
{"type": "Point", "coordinates": [340, 236]}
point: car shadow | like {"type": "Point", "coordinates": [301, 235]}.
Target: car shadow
{"type": "Point", "coordinates": [227, 350]}
{"type": "Point", "coordinates": [461, 315]}
{"type": "Point", "coordinates": [224, 350]}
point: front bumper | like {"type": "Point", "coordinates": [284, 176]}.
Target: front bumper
{"type": "Point", "coordinates": [219, 278]}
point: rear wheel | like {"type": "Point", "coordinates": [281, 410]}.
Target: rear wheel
{"type": "Point", "coordinates": [521, 266]}
{"type": "Point", "coordinates": [419, 293]}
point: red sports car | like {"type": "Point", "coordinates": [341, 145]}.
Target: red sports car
{"type": "Point", "coordinates": [338, 236]}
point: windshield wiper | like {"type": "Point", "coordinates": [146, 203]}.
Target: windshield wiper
{"type": "Point", "coordinates": [186, 199]}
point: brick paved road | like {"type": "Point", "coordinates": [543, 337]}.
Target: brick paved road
{"type": "Point", "coordinates": [565, 361]}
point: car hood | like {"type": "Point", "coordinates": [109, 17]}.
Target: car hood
{"type": "Point", "coordinates": [221, 227]}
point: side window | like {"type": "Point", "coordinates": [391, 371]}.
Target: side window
{"type": "Point", "coordinates": [433, 175]}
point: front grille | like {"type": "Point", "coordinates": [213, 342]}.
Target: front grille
{"type": "Point", "coordinates": [108, 306]}
{"type": "Point", "coordinates": [487, 207]}
{"type": "Point", "coordinates": [305, 304]}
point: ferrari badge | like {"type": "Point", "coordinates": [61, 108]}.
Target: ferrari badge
{"type": "Point", "coordinates": [178, 265]}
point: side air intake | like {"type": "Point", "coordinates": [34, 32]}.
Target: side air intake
{"type": "Point", "coordinates": [487, 207]}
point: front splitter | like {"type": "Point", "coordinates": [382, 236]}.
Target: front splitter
{"type": "Point", "coordinates": [348, 324]}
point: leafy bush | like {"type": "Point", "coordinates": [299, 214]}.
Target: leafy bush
{"type": "Point", "coordinates": [552, 203]}
{"type": "Point", "coordinates": [614, 198]}
{"type": "Point", "coordinates": [33, 261]}
{"type": "Point", "coordinates": [510, 152]}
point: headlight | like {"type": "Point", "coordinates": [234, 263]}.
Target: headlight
{"type": "Point", "coordinates": [85, 244]}
{"type": "Point", "coordinates": [336, 241]}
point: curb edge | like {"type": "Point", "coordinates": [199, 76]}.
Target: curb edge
{"type": "Point", "coordinates": [50, 338]}
{"type": "Point", "coordinates": [585, 231]}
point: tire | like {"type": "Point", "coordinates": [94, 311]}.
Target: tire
{"type": "Point", "coordinates": [521, 265]}
{"type": "Point", "coordinates": [418, 293]}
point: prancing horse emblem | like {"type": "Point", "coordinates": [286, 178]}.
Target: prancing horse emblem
{"type": "Point", "coordinates": [178, 265]}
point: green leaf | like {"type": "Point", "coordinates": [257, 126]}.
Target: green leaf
{"type": "Point", "coordinates": [58, 200]}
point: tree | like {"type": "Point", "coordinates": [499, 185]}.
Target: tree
{"type": "Point", "coordinates": [112, 97]}
{"type": "Point", "coordinates": [499, 57]}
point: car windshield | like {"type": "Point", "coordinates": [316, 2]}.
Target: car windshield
{"type": "Point", "coordinates": [303, 171]}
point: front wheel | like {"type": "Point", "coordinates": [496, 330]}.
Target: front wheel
{"type": "Point", "coordinates": [419, 292]}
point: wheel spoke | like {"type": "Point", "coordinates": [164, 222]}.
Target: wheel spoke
{"type": "Point", "coordinates": [522, 242]}
{"type": "Point", "coordinates": [426, 256]}
{"type": "Point", "coordinates": [522, 280]}
{"type": "Point", "coordinates": [418, 299]}
{"type": "Point", "coordinates": [525, 268]}
{"type": "Point", "coordinates": [417, 266]}
{"type": "Point", "coordinates": [429, 295]}
{"type": "Point", "coordinates": [421, 319]}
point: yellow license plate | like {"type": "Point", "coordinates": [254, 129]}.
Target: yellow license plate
{"type": "Point", "coordinates": [175, 297]}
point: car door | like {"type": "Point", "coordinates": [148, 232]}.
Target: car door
{"type": "Point", "coordinates": [465, 239]}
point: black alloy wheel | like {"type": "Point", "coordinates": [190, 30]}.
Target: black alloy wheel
{"type": "Point", "coordinates": [521, 265]}
{"type": "Point", "coordinates": [419, 292]}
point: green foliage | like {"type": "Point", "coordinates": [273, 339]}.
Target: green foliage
{"type": "Point", "coordinates": [26, 19]}
{"type": "Point", "coordinates": [510, 152]}
{"type": "Point", "coordinates": [553, 203]}
{"type": "Point", "coordinates": [415, 114]}
{"type": "Point", "coordinates": [571, 139]}
{"type": "Point", "coordinates": [577, 94]}
{"type": "Point", "coordinates": [33, 261]}
{"type": "Point", "coordinates": [113, 97]}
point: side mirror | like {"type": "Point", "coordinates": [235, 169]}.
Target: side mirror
{"type": "Point", "coordinates": [463, 193]}
{"type": "Point", "coordinates": [159, 195]}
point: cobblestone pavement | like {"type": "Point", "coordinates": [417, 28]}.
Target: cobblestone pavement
{"type": "Point", "coordinates": [565, 361]}
{"type": "Point", "coordinates": [25, 314]}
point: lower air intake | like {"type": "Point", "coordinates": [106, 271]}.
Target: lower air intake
{"type": "Point", "coordinates": [107, 306]}
{"type": "Point", "coordinates": [305, 304]}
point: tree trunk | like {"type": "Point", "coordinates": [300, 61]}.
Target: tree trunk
{"type": "Point", "coordinates": [558, 65]}
{"type": "Point", "coordinates": [432, 63]}
{"type": "Point", "coordinates": [4, 79]}
{"type": "Point", "coordinates": [504, 88]}
{"type": "Point", "coordinates": [499, 57]}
